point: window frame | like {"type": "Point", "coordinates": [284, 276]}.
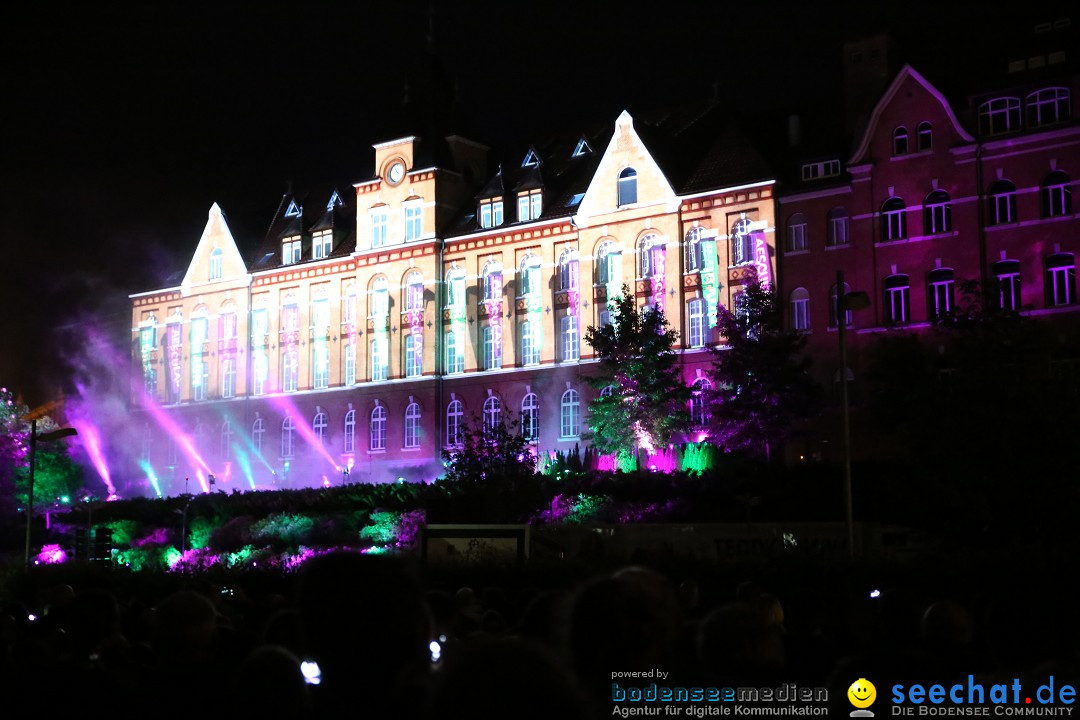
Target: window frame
{"type": "Point", "coordinates": [377, 429]}
{"type": "Point", "coordinates": [570, 414]}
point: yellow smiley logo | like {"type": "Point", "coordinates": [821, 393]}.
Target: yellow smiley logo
{"type": "Point", "coordinates": [862, 693]}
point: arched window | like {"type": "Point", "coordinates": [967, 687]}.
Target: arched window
{"type": "Point", "coordinates": [897, 299]}
{"type": "Point", "coordinates": [796, 233]}
{"type": "Point", "coordinates": [1002, 203]}
{"type": "Point", "coordinates": [226, 440]}
{"type": "Point", "coordinates": [1060, 279]}
{"type": "Point", "coordinates": [349, 444]}
{"type": "Point", "coordinates": [530, 417]}
{"type": "Point", "coordinates": [377, 439]}
{"type": "Point", "coordinates": [692, 256]}
{"type": "Point", "coordinates": [627, 187]}
{"type": "Point", "coordinates": [216, 257]}
{"type": "Point", "coordinates": [455, 288]}
{"type": "Point", "coordinates": [412, 425]}
{"type": "Point", "coordinates": [258, 430]}
{"type": "Point", "coordinates": [454, 412]}
{"type": "Point", "coordinates": [318, 425]}
{"type": "Point", "coordinates": [838, 227]}
{"type": "Point", "coordinates": [1000, 115]}
{"type": "Point", "coordinates": [900, 141]}
{"type": "Point", "coordinates": [492, 414]}
{"type": "Point", "coordinates": [569, 414]}
{"type": "Point", "coordinates": [834, 307]}
{"type": "Point", "coordinates": [1048, 106]}
{"type": "Point", "coordinates": [924, 136]}
{"type": "Point", "coordinates": [607, 257]}
{"type": "Point", "coordinates": [414, 291]}
{"type": "Point", "coordinates": [939, 285]}
{"type": "Point", "coordinates": [492, 281]}
{"type": "Point", "coordinates": [530, 344]}
{"type": "Point", "coordinates": [800, 309]}
{"type": "Point", "coordinates": [380, 298]}
{"type": "Point", "coordinates": [1056, 195]}
{"type": "Point", "coordinates": [568, 270]}
{"type": "Point", "coordinates": [651, 255]}
{"type": "Point", "coordinates": [699, 402]}
{"type": "Point", "coordinates": [893, 219]}
{"type": "Point", "coordinates": [1007, 275]}
{"type": "Point", "coordinates": [742, 243]}
{"type": "Point", "coordinates": [937, 213]}
{"type": "Point", "coordinates": [529, 276]}
{"type": "Point", "coordinates": [287, 428]}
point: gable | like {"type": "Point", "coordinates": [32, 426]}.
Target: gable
{"type": "Point", "coordinates": [216, 236]}
{"type": "Point", "coordinates": [909, 100]}
{"type": "Point", "coordinates": [625, 150]}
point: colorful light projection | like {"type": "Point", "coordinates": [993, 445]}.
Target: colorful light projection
{"type": "Point", "coordinates": [658, 259]}
{"type": "Point", "coordinates": [51, 555]}
{"type": "Point", "coordinates": [91, 442]}
{"type": "Point", "coordinates": [761, 258]}
{"type": "Point", "coordinates": [151, 477]}
{"type": "Point", "coordinates": [303, 426]}
{"type": "Point", "coordinates": [710, 287]}
{"type": "Point", "coordinates": [173, 430]}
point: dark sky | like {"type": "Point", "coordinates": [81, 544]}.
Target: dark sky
{"type": "Point", "coordinates": [125, 122]}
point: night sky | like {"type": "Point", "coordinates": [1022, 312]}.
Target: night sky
{"type": "Point", "coordinates": [124, 123]}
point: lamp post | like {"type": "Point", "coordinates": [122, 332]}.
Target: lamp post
{"type": "Point", "coordinates": [34, 438]}
{"type": "Point", "coordinates": [845, 302]}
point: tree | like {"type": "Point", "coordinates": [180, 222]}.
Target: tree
{"type": "Point", "coordinates": [643, 401]}
{"type": "Point", "coordinates": [55, 473]}
{"type": "Point", "coordinates": [493, 454]}
{"type": "Point", "coordinates": [760, 380]}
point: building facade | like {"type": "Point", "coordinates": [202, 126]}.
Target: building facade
{"type": "Point", "coordinates": [370, 327]}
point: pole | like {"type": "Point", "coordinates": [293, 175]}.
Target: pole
{"type": "Point", "coordinates": [30, 490]}
{"type": "Point", "coordinates": [841, 332]}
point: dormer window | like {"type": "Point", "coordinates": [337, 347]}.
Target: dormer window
{"type": "Point", "coordinates": [215, 264]}
{"type": "Point", "coordinates": [491, 213]}
{"type": "Point", "coordinates": [529, 205]}
{"type": "Point", "coordinates": [1048, 106]}
{"type": "Point", "coordinates": [321, 244]}
{"type": "Point", "coordinates": [1000, 115]}
{"type": "Point", "coordinates": [290, 250]}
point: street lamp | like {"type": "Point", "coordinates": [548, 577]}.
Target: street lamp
{"type": "Point", "coordinates": [846, 301]}
{"type": "Point", "coordinates": [34, 438]}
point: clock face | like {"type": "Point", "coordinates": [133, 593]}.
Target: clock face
{"type": "Point", "coordinates": [396, 173]}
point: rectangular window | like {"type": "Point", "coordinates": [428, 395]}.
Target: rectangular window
{"type": "Point", "coordinates": [492, 347]}
{"type": "Point", "coordinates": [350, 361]}
{"type": "Point", "coordinates": [523, 207]}
{"type": "Point", "coordinates": [696, 323]}
{"type": "Point", "coordinates": [379, 223]}
{"type": "Point", "coordinates": [1009, 291]}
{"type": "Point", "coordinates": [535, 203]}
{"type": "Point", "coordinates": [1060, 285]}
{"type": "Point", "coordinates": [485, 215]}
{"type": "Point", "coordinates": [455, 352]}
{"type": "Point", "coordinates": [200, 368]}
{"type": "Point", "coordinates": [894, 225]}
{"type": "Point", "coordinates": [797, 237]}
{"type": "Point", "coordinates": [414, 225]}
{"type": "Point", "coordinates": [530, 348]}
{"type": "Point", "coordinates": [838, 231]}
{"type": "Point", "coordinates": [897, 304]}
{"type": "Point", "coordinates": [570, 344]}
{"type": "Point", "coordinates": [941, 296]}
{"type": "Point", "coordinates": [1003, 208]}
{"type": "Point", "coordinates": [228, 377]}
{"type": "Point", "coordinates": [413, 359]}
{"type": "Point", "coordinates": [321, 244]}
{"type": "Point", "coordinates": [496, 213]}
{"type": "Point", "coordinates": [800, 314]}
{"type": "Point", "coordinates": [378, 359]}
{"type": "Point", "coordinates": [321, 360]}
{"type": "Point", "coordinates": [290, 251]}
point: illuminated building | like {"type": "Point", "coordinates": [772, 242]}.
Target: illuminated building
{"type": "Point", "coordinates": [368, 326]}
{"type": "Point", "coordinates": [921, 194]}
